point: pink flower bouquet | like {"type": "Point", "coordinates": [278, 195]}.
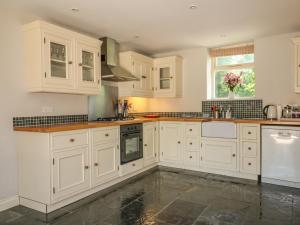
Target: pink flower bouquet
{"type": "Point", "coordinates": [232, 80]}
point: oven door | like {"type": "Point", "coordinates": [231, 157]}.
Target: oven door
{"type": "Point", "coordinates": [131, 147]}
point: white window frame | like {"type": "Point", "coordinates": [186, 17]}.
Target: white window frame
{"type": "Point", "coordinates": [215, 68]}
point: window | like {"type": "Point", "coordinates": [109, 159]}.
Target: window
{"type": "Point", "coordinates": [237, 60]}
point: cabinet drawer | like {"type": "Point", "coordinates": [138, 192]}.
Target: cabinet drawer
{"type": "Point", "coordinates": [192, 130]}
{"type": "Point", "coordinates": [249, 132]}
{"type": "Point", "coordinates": [191, 159]}
{"type": "Point", "coordinates": [69, 139]}
{"type": "Point", "coordinates": [249, 164]}
{"type": "Point", "coordinates": [103, 135]}
{"type": "Point", "coordinates": [192, 143]}
{"type": "Point", "coordinates": [131, 167]}
{"type": "Point", "coordinates": [249, 149]}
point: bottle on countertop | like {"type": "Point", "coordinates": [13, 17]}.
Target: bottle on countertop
{"type": "Point", "coordinates": [228, 113]}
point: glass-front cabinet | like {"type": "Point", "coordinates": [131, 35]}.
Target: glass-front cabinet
{"type": "Point", "coordinates": [58, 60]}
{"type": "Point", "coordinates": [88, 66]}
{"type": "Point", "coordinates": [167, 78]}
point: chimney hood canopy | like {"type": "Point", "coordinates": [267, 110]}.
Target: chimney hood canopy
{"type": "Point", "coordinates": [110, 68]}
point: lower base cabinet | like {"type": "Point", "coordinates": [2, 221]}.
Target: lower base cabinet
{"type": "Point", "coordinates": [70, 172]}
{"type": "Point", "coordinates": [219, 154]}
{"type": "Point", "coordinates": [150, 142]}
{"type": "Point", "coordinates": [105, 164]}
{"type": "Point", "coordinates": [191, 159]}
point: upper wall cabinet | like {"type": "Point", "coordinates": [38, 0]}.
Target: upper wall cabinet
{"type": "Point", "coordinates": [297, 64]}
{"type": "Point", "coordinates": [168, 77]}
{"type": "Point", "coordinates": [60, 60]}
{"type": "Point", "coordinates": [140, 66]}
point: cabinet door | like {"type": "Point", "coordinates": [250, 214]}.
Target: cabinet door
{"type": "Point", "coordinates": [146, 75]}
{"type": "Point", "coordinates": [164, 77]}
{"type": "Point", "coordinates": [106, 161]}
{"type": "Point", "coordinates": [150, 143]}
{"type": "Point", "coordinates": [70, 173]}
{"type": "Point", "coordinates": [219, 154]}
{"type": "Point", "coordinates": [137, 71]}
{"type": "Point", "coordinates": [298, 68]}
{"type": "Point", "coordinates": [58, 60]}
{"type": "Point", "coordinates": [88, 60]}
{"type": "Point", "coordinates": [191, 159]}
{"type": "Point", "coordinates": [171, 142]}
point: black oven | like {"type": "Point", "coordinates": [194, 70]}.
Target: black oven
{"type": "Point", "coordinates": [131, 140]}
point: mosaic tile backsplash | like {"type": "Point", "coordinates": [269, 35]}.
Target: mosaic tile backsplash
{"type": "Point", "coordinates": [48, 120]}
{"type": "Point", "coordinates": [245, 109]}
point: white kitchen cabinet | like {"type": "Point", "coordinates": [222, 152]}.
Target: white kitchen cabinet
{"type": "Point", "coordinates": [168, 77]}
{"type": "Point", "coordinates": [250, 148]}
{"type": "Point", "coordinates": [219, 154]}
{"type": "Point", "coordinates": [70, 172]}
{"type": "Point", "coordinates": [171, 143]}
{"type": "Point", "coordinates": [296, 42]}
{"type": "Point", "coordinates": [60, 60]}
{"type": "Point", "coordinates": [105, 154]}
{"type": "Point", "coordinates": [191, 160]}
{"type": "Point", "coordinates": [106, 161]}
{"type": "Point", "coordinates": [150, 139]}
{"type": "Point", "coordinates": [140, 66]}
{"type": "Point", "coordinates": [88, 66]}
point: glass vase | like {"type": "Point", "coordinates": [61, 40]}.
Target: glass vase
{"type": "Point", "coordinates": [231, 95]}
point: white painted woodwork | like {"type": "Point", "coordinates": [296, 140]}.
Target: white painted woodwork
{"type": "Point", "coordinates": [174, 65]}
{"type": "Point", "coordinates": [131, 167]}
{"type": "Point", "coordinates": [105, 162]}
{"type": "Point", "coordinates": [38, 37]}
{"type": "Point", "coordinates": [296, 42]}
{"type": "Point", "coordinates": [217, 129]}
{"type": "Point", "coordinates": [171, 142]}
{"type": "Point", "coordinates": [65, 171]}
{"type": "Point", "coordinates": [70, 173]}
{"type": "Point", "coordinates": [250, 148]}
{"type": "Point", "coordinates": [150, 142]}
{"type": "Point", "coordinates": [140, 66]}
{"type": "Point", "coordinates": [219, 154]}
{"type": "Point", "coordinates": [69, 139]}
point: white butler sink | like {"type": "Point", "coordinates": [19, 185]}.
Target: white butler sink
{"type": "Point", "coordinates": [219, 129]}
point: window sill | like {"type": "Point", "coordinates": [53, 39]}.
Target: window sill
{"type": "Point", "coordinates": [227, 99]}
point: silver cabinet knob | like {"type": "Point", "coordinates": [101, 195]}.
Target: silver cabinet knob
{"type": "Point", "coordinates": [233, 155]}
{"type": "Point", "coordinates": [191, 143]}
{"type": "Point", "coordinates": [249, 164]}
{"type": "Point", "coordinates": [191, 157]}
{"type": "Point", "coordinates": [191, 129]}
{"type": "Point", "coordinates": [249, 132]}
{"type": "Point", "coordinates": [249, 148]}
{"type": "Point", "coordinates": [178, 142]}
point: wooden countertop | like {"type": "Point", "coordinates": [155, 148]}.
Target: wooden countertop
{"type": "Point", "coordinates": [87, 125]}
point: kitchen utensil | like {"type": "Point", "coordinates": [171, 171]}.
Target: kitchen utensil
{"type": "Point", "coordinates": [270, 112]}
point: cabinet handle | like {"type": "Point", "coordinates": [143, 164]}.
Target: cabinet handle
{"type": "Point", "coordinates": [191, 143]}
{"type": "Point", "coordinates": [191, 157]}
{"type": "Point", "coordinates": [178, 142]}
{"type": "Point", "coordinates": [191, 129]}
{"type": "Point", "coordinates": [249, 132]}
{"type": "Point", "coordinates": [144, 77]}
{"type": "Point", "coordinates": [249, 164]}
{"type": "Point", "coordinates": [86, 167]}
{"type": "Point", "coordinates": [79, 64]}
{"type": "Point", "coordinates": [145, 145]}
{"type": "Point", "coordinates": [106, 135]}
{"type": "Point", "coordinates": [233, 155]}
{"type": "Point", "coordinates": [96, 164]}
{"type": "Point", "coordinates": [133, 164]}
{"type": "Point", "coordinates": [70, 62]}
{"type": "Point", "coordinates": [249, 148]}
{"type": "Point", "coordinates": [171, 77]}
{"type": "Point", "coordinates": [72, 140]}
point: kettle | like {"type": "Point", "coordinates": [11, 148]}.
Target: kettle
{"type": "Point", "coordinates": [270, 111]}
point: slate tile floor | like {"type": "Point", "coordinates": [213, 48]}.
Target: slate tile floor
{"type": "Point", "coordinates": [174, 198]}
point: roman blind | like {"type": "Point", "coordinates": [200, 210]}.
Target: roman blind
{"type": "Point", "coordinates": [235, 50]}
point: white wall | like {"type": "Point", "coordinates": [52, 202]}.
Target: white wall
{"type": "Point", "coordinates": [16, 101]}
{"type": "Point", "coordinates": [274, 65]}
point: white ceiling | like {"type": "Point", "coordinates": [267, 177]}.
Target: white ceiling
{"type": "Point", "coordinates": [164, 25]}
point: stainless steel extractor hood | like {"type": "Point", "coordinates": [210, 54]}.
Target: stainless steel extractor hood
{"type": "Point", "coordinates": [110, 68]}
